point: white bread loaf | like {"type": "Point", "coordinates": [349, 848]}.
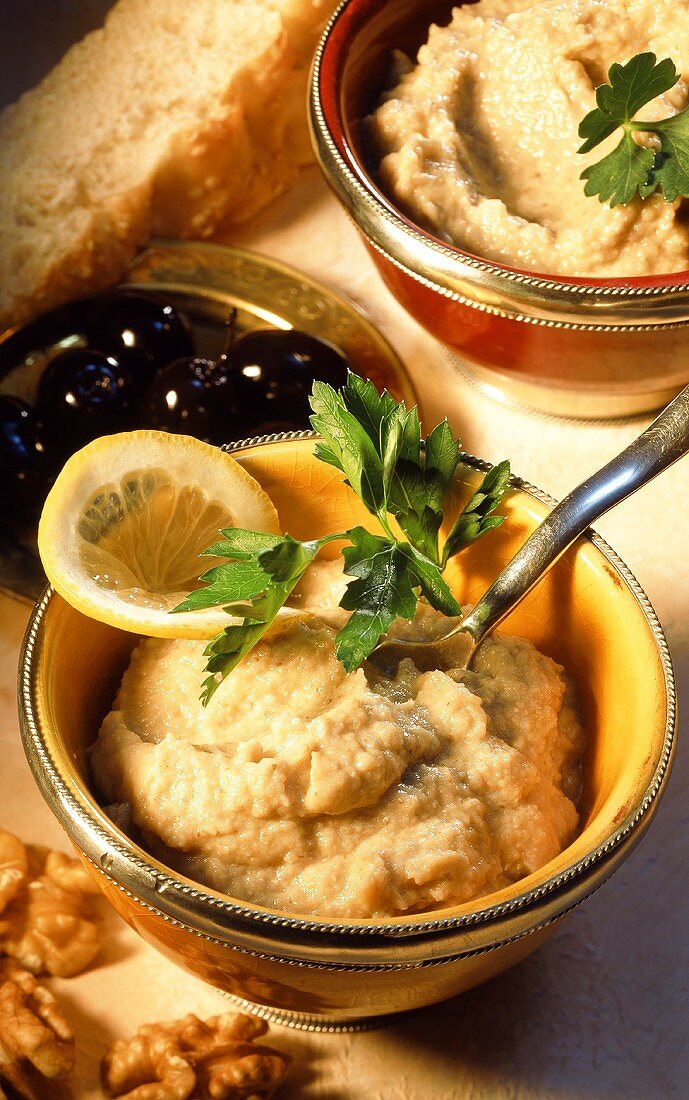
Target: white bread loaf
{"type": "Point", "coordinates": [176, 116]}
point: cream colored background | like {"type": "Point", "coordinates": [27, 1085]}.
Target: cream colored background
{"type": "Point", "coordinates": [602, 1010]}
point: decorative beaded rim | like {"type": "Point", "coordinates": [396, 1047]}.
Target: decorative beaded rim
{"type": "Point", "coordinates": [365, 967]}
{"type": "Point", "coordinates": [215, 916]}
{"type": "Point", "coordinates": [502, 395]}
{"type": "Point", "coordinates": [305, 1021]}
{"type": "Point", "coordinates": [470, 280]}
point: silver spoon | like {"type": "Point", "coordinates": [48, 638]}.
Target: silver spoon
{"type": "Point", "coordinates": [663, 443]}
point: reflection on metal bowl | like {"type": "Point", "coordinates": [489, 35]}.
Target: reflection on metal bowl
{"type": "Point", "coordinates": [589, 613]}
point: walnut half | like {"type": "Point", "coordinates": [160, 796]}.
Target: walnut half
{"type": "Point", "coordinates": [47, 919]}
{"type": "Point", "coordinates": [36, 1042]}
{"type": "Point", "coordinates": [194, 1060]}
{"type": "Point", "coordinates": [14, 867]}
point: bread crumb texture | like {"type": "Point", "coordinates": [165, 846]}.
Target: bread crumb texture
{"type": "Point", "coordinates": [170, 119]}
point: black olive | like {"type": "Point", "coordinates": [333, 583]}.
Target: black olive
{"type": "Point", "coordinates": [275, 372]}
{"type": "Point", "coordinates": [193, 397]}
{"type": "Point", "coordinates": [26, 464]}
{"type": "Point", "coordinates": [83, 394]}
{"type": "Point", "coordinates": [142, 333]}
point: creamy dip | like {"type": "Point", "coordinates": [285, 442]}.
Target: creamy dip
{"type": "Point", "coordinates": [478, 141]}
{"type": "Point", "coordinates": [306, 789]}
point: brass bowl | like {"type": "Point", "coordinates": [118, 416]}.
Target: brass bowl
{"type": "Point", "coordinates": [204, 281]}
{"type": "Point", "coordinates": [573, 347]}
{"type": "Point", "coordinates": [589, 613]}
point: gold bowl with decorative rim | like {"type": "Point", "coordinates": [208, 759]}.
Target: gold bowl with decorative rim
{"type": "Point", "coordinates": [589, 613]}
{"type": "Point", "coordinates": [574, 347]}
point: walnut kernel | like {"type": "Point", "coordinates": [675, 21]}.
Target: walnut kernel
{"type": "Point", "coordinates": [36, 1042]}
{"type": "Point", "coordinates": [190, 1059]}
{"type": "Point", "coordinates": [48, 924]}
{"type": "Point", "coordinates": [13, 867]}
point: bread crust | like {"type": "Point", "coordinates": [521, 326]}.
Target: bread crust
{"type": "Point", "coordinates": [95, 258]}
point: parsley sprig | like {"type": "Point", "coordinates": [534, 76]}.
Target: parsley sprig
{"type": "Point", "coordinates": [402, 479]}
{"type": "Point", "coordinates": [632, 169]}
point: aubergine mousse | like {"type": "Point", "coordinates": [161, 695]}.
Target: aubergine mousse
{"type": "Point", "coordinates": [479, 138]}
{"type": "Point", "coordinates": [310, 778]}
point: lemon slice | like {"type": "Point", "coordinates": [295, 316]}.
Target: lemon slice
{"type": "Point", "coordinates": [123, 528]}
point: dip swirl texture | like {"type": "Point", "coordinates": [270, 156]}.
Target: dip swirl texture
{"type": "Point", "coordinates": [478, 141]}
{"type": "Point", "coordinates": [308, 790]}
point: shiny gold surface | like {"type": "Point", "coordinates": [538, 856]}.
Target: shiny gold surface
{"type": "Point", "coordinates": [206, 281]}
{"type": "Point", "coordinates": [589, 613]}
{"type": "Point", "coordinates": [582, 405]}
{"type": "Point", "coordinates": [209, 279]}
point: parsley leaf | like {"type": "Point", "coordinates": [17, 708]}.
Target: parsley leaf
{"type": "Point", "coordinates": [671, 165]}
{"type": "Point", "coordinates": [402, 479]}
{"type": "Point", "coordinates": [631, 86]}
{"type": "Point", "coordinates": [349, 445]}
{"type": "Point", "coordinates": [631, 169]}
{"type": "Point", "coordinates": [429, 578]}
{"type": "Point", "coordinates": [381, 593]}
{"type": "Point", "coordinates": [245, 581]}
{"type": "Point", "coordinates": [407, 476]}
{"type": "Point", "coordinates": [388, 574]}
{"type": "Point", "coordinates": [263, 570]}
{"type": "Point", "coordinates": [621, 175]}
{"type": "Point", "coordinates": [477, 518]}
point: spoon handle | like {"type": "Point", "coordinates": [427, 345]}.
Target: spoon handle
{"type": "Point", "coordinates": [661, 444]}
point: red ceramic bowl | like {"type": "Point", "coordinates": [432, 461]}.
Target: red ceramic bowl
{"type": "Point", "coordinates": [578, 347]}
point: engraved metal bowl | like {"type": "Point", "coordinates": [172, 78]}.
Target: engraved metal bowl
{"type": "Point", "coordinates": [593, 348]}
{"type": "Point", "coordinates": [589, 613]}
